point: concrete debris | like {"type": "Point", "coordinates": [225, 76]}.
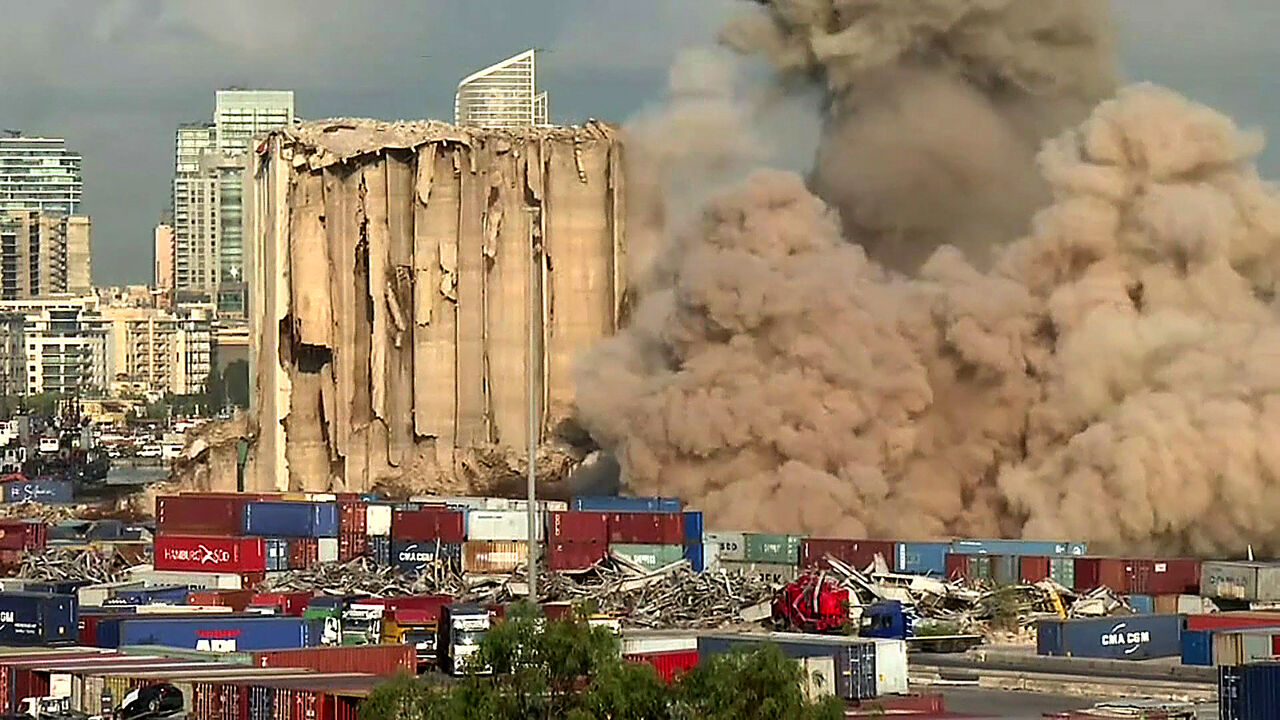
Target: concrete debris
{"type": "Point", "coordinates": [362, 576]}
{"type": "Point", "coordinates": [97, 564]}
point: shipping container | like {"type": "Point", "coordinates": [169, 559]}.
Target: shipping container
{"type": "Point", "coordinates": [237, 600]}
{"type": "Point", "coordinates": [670, 666]}
{"type": "Point", "coordinates": [729, 545]}
{"type": "Point", "coordinates": [772, 572]}
{"type": "Point", "coordinates": [1142, 604]}
{"type": "Point", "coordinates": [1197, 647]}
{"type": "Point", "coordinates": [649, 557]}
{"type": "Point", "coordinates": [855, 658]}
{"type": "Point", "coordinates": [1182, 605]}
{"type": "Point", "coordinates": [303, 553]}
{"type": "Point", "coordinates": [494, 557]}
{"type": "Point", "coordinates": [166, 595]}
{"type": "Point", "coordinates": [47, 491]}
{"type": "Point", "coordinates": [694, 526]}
{"type": "Point", "coordinates": [429, 523]}
{"type": "Point", "coordinates": [290, 603]}
{"type": "Point", "coordinates": [992, 568]}
{"type": "Point", "coordinates": [1239, 580]}
{"type": "Point", "coordinates": [644, 642]}
{"type": "Point", "coordinates": [1232, 620]}
{"type": "Point", "coordinates": [568, 555]}
{"type": "Point", "coordinates": [616, 504]}
{"type": "Point", "coordinates": [1096, 572]}
{"type": "Point", "coordinates": [291, 519]}
{"type": "Point", "coordinates": [353, 529]}
{"type": "Point", "coordinates": [858, 554]}
{"type": "Point", "coordinates": [23, 535]}
{"type": "Point", "coordinates": [1017, 547]}
{"type": "Point", "coordinates": [371, 659]}
{"type": "Point", "coordinates": [1033, 568]}
{"type": "Point", "coordinates": [205, 580]}
{"type": "Point", "coordinates": [378, 520]}
{"type": "Point", "coordinates": [1159, 576]}
{"type": "Point", "coordinates": [414, 557]}
{"type": "Point", "coordinates": [696, 555]}
{"type": "Point", "coordinates": [1062, 570]}
{"type": "Point", "coordinates": [1238, 647]}
{"type": "Point", "coordinates": [488, 503]}
{"type": "Point", "coordinates": [891, 667]}
{"type": "Point", "coordinates": [380, 549]}
{"type": "Point", "coordinates": [1131, 637]}
{"type": "Point", "coordinates": [578, 527]}
{"type": "Point", "coordinates": [97, 594]}
{"type": "Point", "coordinates": [1249, 692]}
{"type": "Point", "coordinates": [647, 528]}
{"type": "Point", "coordinates": [38, 619]}
{"type": "Point", "coordinates": [210, 554]}
{"type": "Point", "coordinates": [200, 514]}
{"type": "Point", "coordinates": [213, 634]}
{"type": "Point", "coordinates": [919, 558]}
{"type": "Point", "coordinates": [277, 550]}
{"type": "Point", "coordinates": [508, 525]}
{"type": "Point", "coordinates": [773, 548]}
{"type": "Point", "coordinates": [327, 549]}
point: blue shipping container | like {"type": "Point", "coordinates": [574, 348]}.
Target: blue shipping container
{"type": "Point", "coordinates": [1129, 637]}
{"type": "Point", "coordinates": [855, 658]}
{"type": "Point", "coordinates": [167, 595]}
{"type": "Point", "coordinates": [213, 634]}
{"type": "Point", "coordinates": [696, 556]}
{"type": "Point", "coordinates": [1197, 647]}
{"type": "Point", "coordinates": [413, 557]}
{"type": "Point", "coordinates": [38, 619]}
{"type": "Point", "coordinates": [380, 549]}
{"type": "Point", "coordinates": [1142, 604]}
{"type": "Point", "coordinates": [922, 558]}
{"type": "Point", "coordinates": [1017, 547]}
{"type": "Point", "coordinates": [1250, 691]}
{"type": "Point", "coordinates": [43, 490]}
{"type": "Point", "coordinates": [693, 527]}
{"type": "Point", "coordinates": [613, 503]}
{"type": "Point", "coordinates": [290, 519]}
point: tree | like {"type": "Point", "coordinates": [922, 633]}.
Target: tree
{"type": "Point", "coordinates": [568, 670]}
{"type": "Point", "coordinates": [236, 381]}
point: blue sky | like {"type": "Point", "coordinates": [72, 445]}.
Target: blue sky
{"type": "Point", "coordinates": [115, 77]}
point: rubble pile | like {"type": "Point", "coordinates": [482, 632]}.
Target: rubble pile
{"type": "Point", "coordinates": [362, 576]}
{"type": "Point", "coordinates": [98, 565]}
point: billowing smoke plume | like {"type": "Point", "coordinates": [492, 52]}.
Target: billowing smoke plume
{"type": "Point", "coordinates": [936, 108]}
{"type": "Point", "coordinates": [1115, 377]}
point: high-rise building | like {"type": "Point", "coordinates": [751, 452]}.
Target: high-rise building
{"type": "Point", "coordinates": [158, 351]}
{"type": "Point", "coordinates": [239, 115]}
{"type": "Point", "coordinates": [502, 95]}
{"type": "Point", "coordinates": [207, 207]}
{"type": "Point", "coordinates": [162, 275]}
{"type": "Point", "coordinates": [63, 344]}
{"type": "Point", "coordinates": [79, 235]}
{"type": "Point", "coordinates": [34, 253]}
{"type": "Point", "coordinates": [39, 174]}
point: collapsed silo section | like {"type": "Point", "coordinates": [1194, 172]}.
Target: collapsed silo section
{"type": "Point", "coordinates": [401, 273]}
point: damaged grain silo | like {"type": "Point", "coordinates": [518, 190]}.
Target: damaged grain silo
{"type": "Point", "coordinates": [392, 312]}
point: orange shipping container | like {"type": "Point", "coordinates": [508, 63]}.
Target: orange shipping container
{"type": "Point", "coordinates": [237, 600]}
{"type": "Point", "coordinates": [369, 659]}
{"type": "Point", "coordinates": [496, 556]}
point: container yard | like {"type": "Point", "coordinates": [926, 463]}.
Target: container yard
{"type": "Point", "coordinates": [319, 597]}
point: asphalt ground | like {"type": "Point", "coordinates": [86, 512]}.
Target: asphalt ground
{"type": "Point", "coordinates": [1004, 705]}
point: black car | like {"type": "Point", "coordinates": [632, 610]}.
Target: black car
{"type": "Point", "coordinates": [151, 701]}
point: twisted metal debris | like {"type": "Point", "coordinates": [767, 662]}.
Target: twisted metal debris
{"type": "Point", "coordinates": [362, 576]}
{"type": "Point", "coordinates": [99, 565]}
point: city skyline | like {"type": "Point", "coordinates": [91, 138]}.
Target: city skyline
{"type": "Point", "coordinates": [118, 96]}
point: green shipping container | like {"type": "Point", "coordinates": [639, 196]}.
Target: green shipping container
{"type": "Point", "coordinates": [649, 557]}
{"type": "Point", "coordinates": [773, 548]}
{"type": "Point", "coordinates": [1062, 570]}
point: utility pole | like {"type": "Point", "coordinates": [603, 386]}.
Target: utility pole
{"type": "Point", "coordinates": [530, 364]}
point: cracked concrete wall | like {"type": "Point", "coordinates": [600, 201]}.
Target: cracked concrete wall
{"type": "Point", "coordinates": [393, 331]}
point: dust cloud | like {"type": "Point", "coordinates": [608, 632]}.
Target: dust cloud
{"type": "Point", "coordinates": [1111, 375]}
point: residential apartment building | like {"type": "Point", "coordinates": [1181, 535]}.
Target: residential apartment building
{"type": "Point", "coordinates": [191, 143]}
{"type": "Point", "coordinates": [79, 235]}
{"type": "Point", "coordinates": [63, 342]}
{"type": "Point", "coordinates": [39, 174]}
{"type": "Point", "coordinates": [34, 253]}
{"type": "Point", "coordinates": [158, 352]}
{"type": "Point", "coordinates": [503, 95]}
{"type": "Point", "coordinates": [162, 270]}
{"type": "Point", "coordinates": [196, 228]}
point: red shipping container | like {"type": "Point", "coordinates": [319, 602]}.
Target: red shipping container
{"type": "Point", "coordinates": [670, 665]}
{"type": "Point", "coordinates": [1096, 572]}
{"type": "Point", "coordinates": [857, 553]}
{"type": "Point", "coordinates": [578, 527]}
{"type": "Point", "coordinates": [353, 516]}
{"type": "Point", "coordinates": [428, 604]}
{"type": "Point", "coordinates": [237, 600]}
{"type": "Point", "coordinates": [290, 603]}
{"type": "Point", "coordinates": [1164, 577]}
{"type": "Point", "coordinates": [575, 555]}
{"type": "Point", "coordinates": [371, 659]}
{"type": "Point", "coordinates": [303, 553]}
{"type": "Point", "coordinates": [1232, 620]}
{"type": "Point", "coordinates": [428, 523]}
{"type": "Point", "coordinates": [647, 528]}
{"type": "Point", "coordinates": [200, 514]}
{"type": "Point", "coordinates": [1033, 568]}
{"type": "Point", "coordinates": [23, 535]}
{"type": "Point", "coordinates": [210, 554]}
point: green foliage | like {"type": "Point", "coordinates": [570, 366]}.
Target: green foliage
{"type": "Point", "coordinates": [567, 670]}
{"type": "Point", "coordinates": [236, 381]}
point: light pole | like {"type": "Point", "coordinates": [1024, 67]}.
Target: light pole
{"type": "Point", "coordinates": [530, 364]}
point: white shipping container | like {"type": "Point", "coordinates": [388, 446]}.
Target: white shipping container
{"type": "Point", "coordinates": [95, 595]}
{"type": "Point", "coordinates": [891, 666]}
{"type": "Point", "coordinates": [205, 581]}
{"type": "Point", "coordinates": [510, 525]}
{"type": "Point", "coordinates": [774, 572]}
{"type": "Point", "coordinates": [730, 545]}
{"type": "Point", "coordinates": [181, 609]}
{"type": "Point", "coordinates": [378, 520]}
{"type": "Point", "coordinates": [819, 679]}
{"type": "Point", "coordinates": [644, 642]}
{"type": "Point", "coordinates": [489, 503]}
{"type": "Point", "coordinates": [327, 549]}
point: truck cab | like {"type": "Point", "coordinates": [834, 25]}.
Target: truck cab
{"type": "Point", "coordinates": [362, 622]}
{"type": "Point", "coordinates": [413, 627]}
{"type": "Point", "coordinates": [458, 636]}
{"type": "Point", "coordinates": [330, 610]}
